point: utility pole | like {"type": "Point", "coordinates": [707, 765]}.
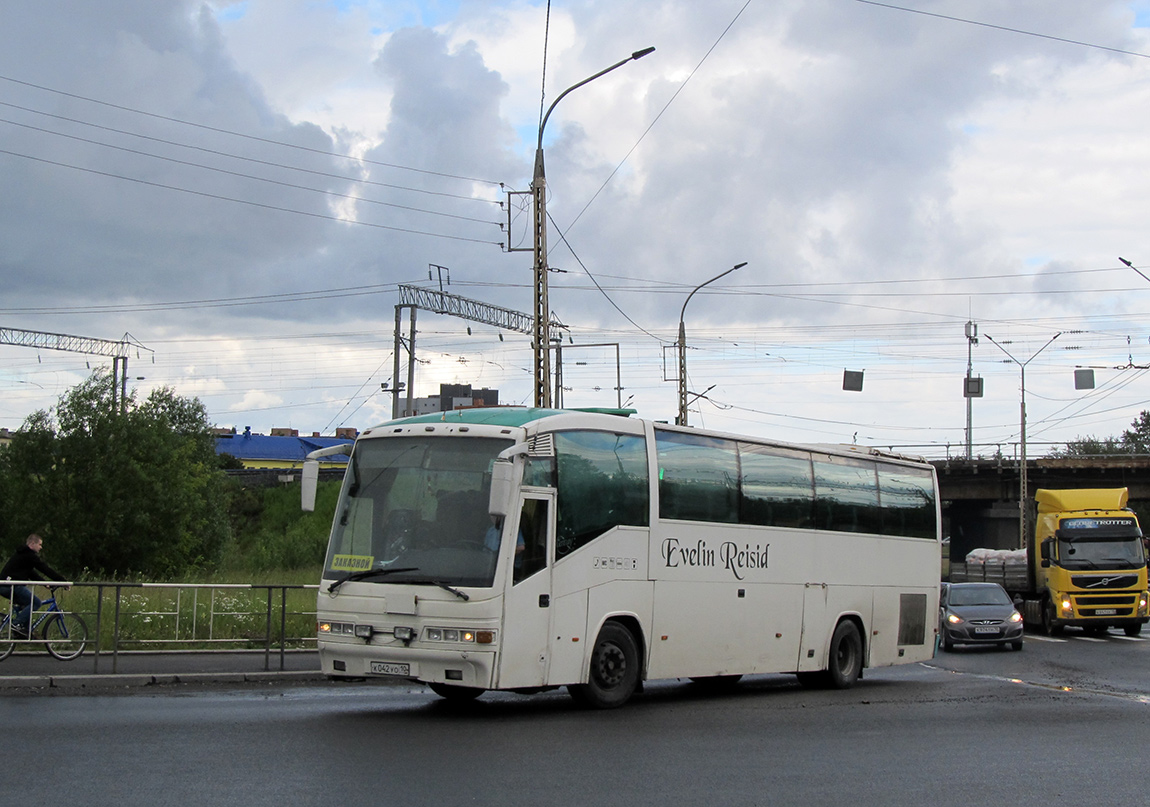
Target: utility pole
{"type": "Point", "coordinates": [682, 419]}
{"type": "Point", "coordinates": [972, 388]}
{"type": "Point", "coordinates": [541, 332]}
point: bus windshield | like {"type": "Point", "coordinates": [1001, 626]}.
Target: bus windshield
{"type": "Point", "coordinates": [417, 507]}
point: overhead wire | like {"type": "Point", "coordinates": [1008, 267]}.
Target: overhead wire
{"type": "Point", "coordinates": [249, 202]}
{"type": "Point", "coordinates": [240, 175]}
{"type": "Point", "coordinates": [1005, 28]}
{"type": "Point", "coordinates": [240, 157]}
{"type": "Point", "coordinates": [243, 135]}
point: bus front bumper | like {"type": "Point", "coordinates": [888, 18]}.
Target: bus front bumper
{"type": "Point", "coordinates": [346, 658]}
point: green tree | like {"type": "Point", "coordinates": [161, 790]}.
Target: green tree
{"type": "Point", "coordinates": [1135, 440]}
{"type": "Point", "coordinates": [1091, 447]}
{"type": "Point", "coordinates": [131, 491]}
{"type": "Point", "coordinates": [1138, 440]}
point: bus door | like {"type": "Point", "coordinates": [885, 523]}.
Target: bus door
{"type": "Point", "coordinates": [815, 632]}
{"type": "Point", "coordinates": [525, 643]}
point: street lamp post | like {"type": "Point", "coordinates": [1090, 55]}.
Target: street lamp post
{"type": "Point", "coordinates": [542, 329]}
{"type": "Point", "coordinates": [1022, 492]}
{"type": "Point", "coordinates": [682, 421]}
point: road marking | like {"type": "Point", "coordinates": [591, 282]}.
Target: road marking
{"type": "Point", "coordinates": [1039, 638]}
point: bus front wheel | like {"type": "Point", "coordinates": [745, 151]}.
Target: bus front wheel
{"type": "Point", "coordinates": [614, 672]}
{"type": "Point", "coordinates": [455, 693]}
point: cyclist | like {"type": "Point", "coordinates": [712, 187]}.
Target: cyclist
{"type": "Point", "coordinates": [25, 564]}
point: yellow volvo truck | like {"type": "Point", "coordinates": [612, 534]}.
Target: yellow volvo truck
{"type": "Point", "coordinates": [1087, 563]}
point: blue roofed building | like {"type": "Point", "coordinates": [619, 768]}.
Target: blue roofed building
{"type": "Point", "coordinates": [283, 449]}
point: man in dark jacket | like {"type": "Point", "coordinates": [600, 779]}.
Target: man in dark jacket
{"type": "Point", "coordinates": [26, 564]}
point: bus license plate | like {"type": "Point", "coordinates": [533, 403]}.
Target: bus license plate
{"type": "Point", "coordinates": [1106, 611]}
{"type": "Point", "coordinates": [389, 668]}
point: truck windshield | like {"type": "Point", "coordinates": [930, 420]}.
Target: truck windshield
{"type": "Point", "coordinates": [417, 506]}
{"type": "Point", "coordinates": [1097, 552]}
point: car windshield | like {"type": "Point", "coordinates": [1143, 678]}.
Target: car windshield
{"type": "Point", "coordinates": [978, 595]}
{"type": "Point", "coordinates": [417, 507]}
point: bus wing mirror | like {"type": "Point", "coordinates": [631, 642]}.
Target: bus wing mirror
{"type": "Point", "coordinates": [309, 479]}
{"type": "Point", "coordinates": [503, 479]}
{"type": "Point", "coordinates": [309, 482]}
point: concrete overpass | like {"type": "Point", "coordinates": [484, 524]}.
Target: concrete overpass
{"type": "Point", "coordinates": [980, 497]}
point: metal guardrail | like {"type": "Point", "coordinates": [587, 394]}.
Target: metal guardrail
{"type": "Point", "coordinates": [186, 616]}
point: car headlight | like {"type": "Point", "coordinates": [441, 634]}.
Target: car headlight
{"type": "Point", "coordinates": [953, 619]}
{"type": "Point", "coordinates": [1016, 617]}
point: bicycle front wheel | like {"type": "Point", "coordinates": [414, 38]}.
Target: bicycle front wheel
{"type": "Point", "coordinates": [65, 635]}
{"type": "Point", "coordinates": [7, 645]}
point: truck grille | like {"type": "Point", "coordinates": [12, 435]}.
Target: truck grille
{"type": "Point", "coordinates": [1095, 582]}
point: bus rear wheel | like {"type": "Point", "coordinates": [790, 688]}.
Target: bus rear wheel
{"type": "Point", "coordinates": [614, 672]}
{"type": "Point", "coordinates": [844, 663]}
{"type": "Point", "coordinates": [844, 666]}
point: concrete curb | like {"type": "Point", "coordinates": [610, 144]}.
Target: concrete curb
{"type": "Point", "coordinates": [127, 680]}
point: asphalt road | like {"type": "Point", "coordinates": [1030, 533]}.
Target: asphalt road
{"type": "Point", "coordinates": [1060, 722]}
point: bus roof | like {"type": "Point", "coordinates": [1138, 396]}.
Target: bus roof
{"type": "Point", "coordinates": [503, 415]}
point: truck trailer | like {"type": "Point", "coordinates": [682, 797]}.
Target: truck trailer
{"type": "Point", "coordinates": [1085, 564]}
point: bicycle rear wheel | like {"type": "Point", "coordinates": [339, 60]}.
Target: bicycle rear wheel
{"type": "Point", "coordinates": [65, 635]}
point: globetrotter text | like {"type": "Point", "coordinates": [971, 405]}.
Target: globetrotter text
{"type": "Point", "coordinates": [728, 555]}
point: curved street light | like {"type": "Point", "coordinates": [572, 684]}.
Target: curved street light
{"type": "Point", "coordinates": [682, 419]}
{"type": "Point", "coordinates": [542, 329]}
{"type": "Point", "coordinates": [1022, 481]}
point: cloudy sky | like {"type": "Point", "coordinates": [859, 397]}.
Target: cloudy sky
{"type": "Point", "coordinates": [240, 186]}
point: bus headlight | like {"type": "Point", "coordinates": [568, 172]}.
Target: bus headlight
{"type": "Point", "coordinates": [459, 635]}
{"type": "Point", "coordinates": [325, 628]}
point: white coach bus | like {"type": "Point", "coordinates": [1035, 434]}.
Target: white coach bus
{"type": "Point", "coordinates": [525, 549]}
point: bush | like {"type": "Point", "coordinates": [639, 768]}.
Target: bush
{"type": "Point", "coordinates": [273, 533]}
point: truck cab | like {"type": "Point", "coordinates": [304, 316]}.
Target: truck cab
{"type": "Point", "coordinates": [1088, 561]}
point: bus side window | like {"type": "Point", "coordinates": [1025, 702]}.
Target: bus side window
{"type": "Point", "coordinates": [533, 530]}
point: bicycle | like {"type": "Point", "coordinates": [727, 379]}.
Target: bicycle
{"type": "Point", "coordinates": [64, 634]}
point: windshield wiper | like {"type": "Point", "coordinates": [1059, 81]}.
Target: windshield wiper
{"type": "Point", "coordinates": [365, 574]}
{"type": "Point", "coordinates": [460, 594]}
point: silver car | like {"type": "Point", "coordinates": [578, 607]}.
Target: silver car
{"type": "Point", "coordinates": [978, 613]}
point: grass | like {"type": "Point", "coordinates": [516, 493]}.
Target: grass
{"type": "Point", "coordinates": [200, 614]}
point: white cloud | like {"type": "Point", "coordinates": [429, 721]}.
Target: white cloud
{"type": "Point", "coordinates": [837, 147]}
